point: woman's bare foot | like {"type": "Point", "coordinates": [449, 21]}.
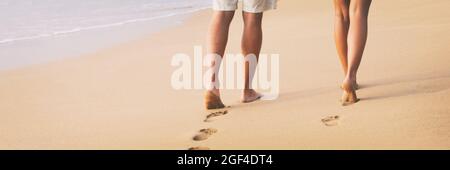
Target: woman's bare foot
{"type": "Point", "coordinates": [250, 95]}
{"type": "Point", "coordinates": [212, 100]}
{"type": "Point", "coordinates": [349, 95]}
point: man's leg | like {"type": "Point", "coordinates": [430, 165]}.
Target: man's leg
{"type": "Point", "coordinates": [217, 42]}
{"type": "Point", "coordinates": [251, 45]}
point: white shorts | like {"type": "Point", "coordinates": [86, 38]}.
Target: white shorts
{"type": "Point", "coordinates": [252, 6]}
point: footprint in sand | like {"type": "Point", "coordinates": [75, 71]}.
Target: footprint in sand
{"type": "Point", "coordinates": [330, 120]}
{"type": "Point", "coordinates": [213, 115]}
{"type": "Point", "coordinates": [199, 148]}
{"type": "Point", "coordinates": [204, 134]}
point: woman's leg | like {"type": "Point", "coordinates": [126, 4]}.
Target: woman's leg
{"type": "Point", "coordinates": [251, 45]}
{"type": "Point", "coordinates": [341, 25]}
{"type": "Point", "coordinates": [357, 37]}
{"type": "Point", "coordinates": [217, 42]}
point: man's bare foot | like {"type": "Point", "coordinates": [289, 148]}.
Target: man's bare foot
{"type": "Point", "coordinates": [250, 95]}
{"type": "Point", "coordinates": [349, 95]}
{"type": "Point", "coordinates": [212, 100]}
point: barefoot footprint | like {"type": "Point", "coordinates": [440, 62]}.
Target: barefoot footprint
{"type": "Point", "coordinates": [213, 101]}
{"type": "Point", "coordinates": [211, 116]}
{"type": "Point", "coordinates": [204, 134]}
{"type": "Point", "coordinates": [199, 148]}
{"type": "Point", "coordinates": [330, 120]}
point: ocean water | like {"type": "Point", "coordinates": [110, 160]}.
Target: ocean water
{"type": "Point", "coordinates": [37, 31]}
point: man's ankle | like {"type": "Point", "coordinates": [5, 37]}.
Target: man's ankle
{"type": "Point", "coordinates": [215, 91]}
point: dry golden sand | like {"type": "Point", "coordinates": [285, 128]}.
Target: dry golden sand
{"type": "Point", "coordinates": [121, 98]}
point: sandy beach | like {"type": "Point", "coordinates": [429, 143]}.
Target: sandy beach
{"type": "Point", "coordinates": [122, 98]}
